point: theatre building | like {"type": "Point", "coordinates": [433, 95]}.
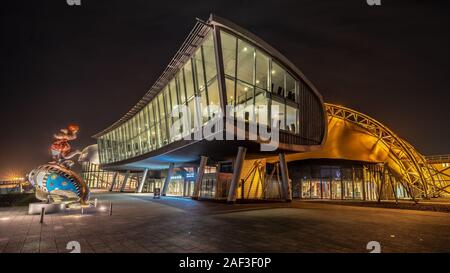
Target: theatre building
{"type": "Point", "coordinates": [324, 151]}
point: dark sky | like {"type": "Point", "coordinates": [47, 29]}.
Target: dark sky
{"type": "Point", "coordinates": [90, 64]}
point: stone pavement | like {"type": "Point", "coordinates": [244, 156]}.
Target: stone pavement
{"type": "Point", "coordinates": [142, 224]}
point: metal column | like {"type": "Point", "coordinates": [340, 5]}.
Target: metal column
{"type": "Point", "coordinates": [167, 180]}
{"type": "Point", "coordinates": [125, 180]}
{"type": "Point", "coordinates": [236, 174]}
{"type": "Point", "coordinates": [363, 183]}
{"type": "Point", "coordinates": [142, 182]}
{"type": "Point", "coordinates": [286, 186]}
{"type": "Point", "coordinates": [220, 69]}
{"type": "Point", "coordinates": [199, 177]}
{"type": "Point", "coordinates": [113, 183]}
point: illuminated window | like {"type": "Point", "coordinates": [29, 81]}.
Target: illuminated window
{"type": "Point", "coordinates": [181, 89]}
{"type": "Point", "coordinates": [209, 57]}
{"type": "Point", "coordinates": [262, 70]}
{"type": "Point", "coordinates": [213, 93]}
{"type": "Point", "coordinates": [244, 94]}
{"type": "Point", "coordinates": [277, 74]}
{"type": "Point", "coordinates": [278, 118]}
{"type": "Point", "coordinates": [229, 53]}
{"type": "Point", "coordinates": [290, 93]}
{"type": "Point", "coordinates": [246, 62]}
{"type": "Point", "coordinates": [188, 76]}
{"type": "Point", "coordinates": [291, 119]}
{"type": "Point", "coordinates": [229, 85]}
{"type": "Point", "coordinates": [261, 106]}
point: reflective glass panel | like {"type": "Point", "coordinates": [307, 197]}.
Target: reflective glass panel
{"type": "Point", "coordinates": [229, 85]}
{"type": "Point", "coordinates": [244, 94]}
{"type": "Point", "coordinates": [246, 62]}
{"type": "Point", "coordinates": [291, 119]}
{"type": "Point", "coordinates": [229, 53]}
{"type": "Point", "coordinates": [209, 58]}
{"type": "Point", "coordinates": [277, 74]}
{"type": "Point", "coordinates": [189, 79]}
{"type": "Point", "coordinates": [262, 70]}
{"type": "Point", "coordinates": [278, 117]}
{"type": "Point", "coordinates": [261, 106]}
{"type": "Point", "coordinates": [199, 71]}
{"type": "Point", "coordinates": [213, 93]}
{"type": "Point", "coordinates": [290, 87]}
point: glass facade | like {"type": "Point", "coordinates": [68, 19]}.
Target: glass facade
{"type": "Point", "coordinates": [341, 181]}
{"type": "Point", "coordinates": [252, 78]}
{"type": "Point", "coordinates": [255, 79]}
{"type": "Point", "coordinates": [95, 177]}
{"type": "Point", "coordinates": [149, 129]}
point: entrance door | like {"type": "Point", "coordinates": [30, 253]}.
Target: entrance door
{"type": "Point", "coordinates": [149, 185]}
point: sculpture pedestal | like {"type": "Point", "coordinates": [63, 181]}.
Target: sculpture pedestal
{"type": "Point", "coordinates": [36, 208]}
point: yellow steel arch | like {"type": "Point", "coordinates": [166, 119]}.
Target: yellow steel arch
{"type": "Point", "coordinates": [403, 159]}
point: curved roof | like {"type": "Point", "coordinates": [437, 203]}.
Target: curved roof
{"type": "Point", "coordinates": [188, 48]}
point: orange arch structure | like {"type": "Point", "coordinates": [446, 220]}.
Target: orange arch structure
{"type": "Point", "coordinates": [355, 136]}
{"type": "Point", "coordinates": [404, 160]}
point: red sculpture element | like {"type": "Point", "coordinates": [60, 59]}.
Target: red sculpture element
{"type": "Point", "coordinates": [60, 148]}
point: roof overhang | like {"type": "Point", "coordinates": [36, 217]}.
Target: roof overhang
{"type": "Point", "coordinates": [188, 48]}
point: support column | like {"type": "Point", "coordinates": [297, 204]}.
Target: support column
{"type": "Point", "coordinates": [142, 182]}
{"type": "Point", "coordinates": [393, 188]}
{"type": "Point", "coordinates": [125, 180]}
{"type": "Point", "coordinates": [364, 183]}
{"type": "Point", "coordinates": [382, 180]}
{"type": "Point", "coordinates": [220, 69]}
{"type": "Point", "coordinates": [167, 180]}
{"type": "Point", "coordinates": [113, 182]}
{"type": "Point", "coordinates": [286, 186]}
{"type": "Point", "coordinates": [199, 177]}
{"type": "Point", "coordinates": [236, 174]}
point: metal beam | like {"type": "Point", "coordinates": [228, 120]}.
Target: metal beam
{"type": "Point", "coordinates": [125, 180]}
{"type": "Point", "coordinates": [286, 186]}
{"type": "Point", "coordinates": [236, 174]}
{"type": "Point", "coordinates": [199, 177]}
{"type": "Point", "coordinates": [220, 68]}
{"type": "Point", "coordinates": [393, 187]}
{"type": "Point", "coordinates": [167, 180]}
{"type": "Point", "coordinates": [113, 183]}
{"type": "Point", "coordinates": [142, 182]}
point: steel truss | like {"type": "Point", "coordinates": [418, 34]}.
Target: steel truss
{"type": "Point", "coordinates": [419, 177]}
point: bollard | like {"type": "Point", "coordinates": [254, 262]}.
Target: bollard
{"type": "Point", "coordinates": [110, 209]}
{"type": "Point", "coordinates": [82, 210]}
{"type": "Point", "coordinates": [95, 202]}
{"type": "Point", "coordinates": [42, 215]}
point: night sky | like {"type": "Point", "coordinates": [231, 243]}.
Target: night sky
{"type": "Point", "coordinates": [90, 64]}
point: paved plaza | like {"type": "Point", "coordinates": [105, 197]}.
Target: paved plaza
{"type": "Point", "coordinates": [142, 224]}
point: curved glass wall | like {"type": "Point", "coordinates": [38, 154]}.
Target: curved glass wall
{"type": "Point", "coordinates": [255, 79]}
{"type": "Point", "coordinates": [149, 129]}
{"type": "Point", "coordinates": [252, 78]}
